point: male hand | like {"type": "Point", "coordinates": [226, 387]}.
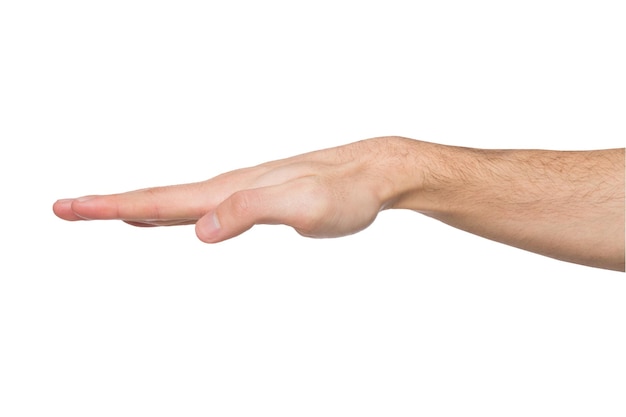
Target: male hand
{"type": "Point", "coordinates": [327, 193]}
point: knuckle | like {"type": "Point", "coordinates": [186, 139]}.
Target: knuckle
{"type": "Point", "coordinates": [242, 203]}
{"type": "Point", "coordinates": [317, 211]}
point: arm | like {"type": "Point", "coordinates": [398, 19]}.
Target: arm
{"type": "Point", "coordinates": [567, 205]}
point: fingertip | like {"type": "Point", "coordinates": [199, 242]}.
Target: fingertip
{"type": "Point", "coordinates": [62, 204]}
{"type": "Point", "coordinates": [63, 209]}
{"type": "Point", "coordinates": [208, 228]}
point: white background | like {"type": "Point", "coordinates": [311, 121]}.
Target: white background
{"type": "Point", "coordinates": [409, 317]}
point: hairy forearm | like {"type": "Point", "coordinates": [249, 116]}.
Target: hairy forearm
{"type": "Point", "coordinates": [566, 205]}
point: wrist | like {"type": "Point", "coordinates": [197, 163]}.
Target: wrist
{"type": "Point", "coordinates": [419, 173]}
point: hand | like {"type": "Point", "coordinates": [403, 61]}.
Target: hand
{"type": "Point", "coordinates": [328, 193]}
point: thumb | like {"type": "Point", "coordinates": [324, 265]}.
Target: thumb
{"type": "Point", "coordinates": [242, 210]}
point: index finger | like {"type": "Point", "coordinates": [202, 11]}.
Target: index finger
{"type": "Point", "coordinates": [160, 204]}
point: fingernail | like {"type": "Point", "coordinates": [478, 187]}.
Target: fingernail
{"type": "Point", "coordinates": [85, 198]}
{"type": "Point", "coordinates": [216, 221]}
{"type": "Point", "coordinates": [207, 228]}
{"type": "Point", "coordinates": [64, 200]}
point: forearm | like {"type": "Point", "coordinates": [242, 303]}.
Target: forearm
{"type": "Point", "coordinates": [566, 205]}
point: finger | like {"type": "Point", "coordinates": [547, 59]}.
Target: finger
{"type": "Point", "coordinates": [63, 209]}
{"type": "Point", "coordinates": [139, 224]}
{"type": "Point", "coordinates": [280, 204]}
{"type": "Point", "coordinates": [155, 223]}
{"type": "Point", "coordinates": [160, 205]}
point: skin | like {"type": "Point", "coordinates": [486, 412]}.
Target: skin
{"type": "Point", "coordinates": [563, 204]}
